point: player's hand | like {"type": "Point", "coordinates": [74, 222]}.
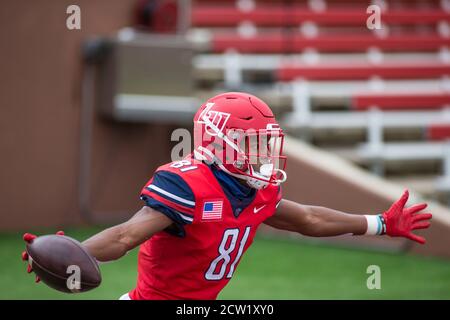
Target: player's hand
{"type": "Point", "coordinates": [401, 221]}
{"type": "Point", "coordinates": [28, 238]}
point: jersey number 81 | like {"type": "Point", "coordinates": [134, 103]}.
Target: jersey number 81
{"type": "Point", "coordinates": [224, 254]}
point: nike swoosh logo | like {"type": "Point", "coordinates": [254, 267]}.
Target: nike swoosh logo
{"type": "Point", "coordinates": [256, 210]}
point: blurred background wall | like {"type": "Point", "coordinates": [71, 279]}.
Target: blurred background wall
{"type": "Point", "coordinates": [41, 82]}
{"type": "Point", "coordinates": [377, 100]}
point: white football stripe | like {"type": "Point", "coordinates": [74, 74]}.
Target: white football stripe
{"type": "Point", "coordinates": [171, 195]}
{"type": "Point", "coordinates": [185, 217]}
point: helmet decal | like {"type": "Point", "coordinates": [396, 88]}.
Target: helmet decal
{"type": "Point", "coordinates": [216, 118]}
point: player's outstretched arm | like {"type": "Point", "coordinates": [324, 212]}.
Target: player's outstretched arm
{"type": "Point", "coordinates": [317, 221]}
{"type": "Point", "coordinates": [113, 243]}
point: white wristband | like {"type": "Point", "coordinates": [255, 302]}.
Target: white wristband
{"type": "Point", "coordinates": [374, 225]}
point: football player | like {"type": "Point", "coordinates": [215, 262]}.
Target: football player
{"type": "Point", "coordinates": [200, 214]}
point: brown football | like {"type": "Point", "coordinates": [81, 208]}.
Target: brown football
{"type": "Point", "coordinates": [63, 264]}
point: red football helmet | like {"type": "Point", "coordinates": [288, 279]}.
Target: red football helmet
{"type": "Point", "coordinates": [238, 133]}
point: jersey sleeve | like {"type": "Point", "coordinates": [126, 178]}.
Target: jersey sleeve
{"type": "Point", "coordinates": [168, 193]}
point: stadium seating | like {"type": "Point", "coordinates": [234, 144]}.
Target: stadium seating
{"type": "Point", "coordinates": [283, 16]}
{"type": "Point", "coordinates": [319, 60]}
{"type": "Point", "coordinates": [278, 42]}
{"type": "Point", "coordinates": [412, 70]}
{"type": "Point", "coordinates": [438, 132]}
{"type": "Point", "coordinates": [405, 101]}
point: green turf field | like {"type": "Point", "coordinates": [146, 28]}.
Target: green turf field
{"type": "Point", "coordinates": [271, 269]}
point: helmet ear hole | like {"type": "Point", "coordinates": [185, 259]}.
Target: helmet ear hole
{"type": "Point", "coordinates": [239, 165]}
{"type": "Point", "coordinates": [217, 146]}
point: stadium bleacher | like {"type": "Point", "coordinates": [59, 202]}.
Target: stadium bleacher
{"type": "Point", "coordinates": [334, 74]}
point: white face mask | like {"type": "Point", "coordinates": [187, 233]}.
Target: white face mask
{"type": "Point", "coordinates": [265, 172]}
{"type": "Point", "coordinates": [256, 184]}
{"type": "Point", "coordinates": [248, 147]}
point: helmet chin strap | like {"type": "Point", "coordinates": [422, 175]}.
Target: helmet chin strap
{"type": "Point", "coordinates": [256, 183]}
{"type": "Point", "coordinates": [284, 176]}
{"type": "Point", "coordinates": [252, 182]}
{"type": "Point", "coordinates": [211, 158]}
{"type": "Point", "coordinates": [199, 156]}
{"type": "Point", "coordinates": [260, 184]}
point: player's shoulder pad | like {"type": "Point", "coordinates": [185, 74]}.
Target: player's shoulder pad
{"type": "Point", "coordinates": [185, 167]}
{"type": "Point", "coordinates": [171, 188]}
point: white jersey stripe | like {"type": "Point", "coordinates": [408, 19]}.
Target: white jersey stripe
{"type": "Point", "coordinates": [171, 195]}
{"type": "Point", "coordinates": [186, 218]}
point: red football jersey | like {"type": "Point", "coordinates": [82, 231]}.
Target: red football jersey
{"type": "Point", "coordinates": [199, 264]}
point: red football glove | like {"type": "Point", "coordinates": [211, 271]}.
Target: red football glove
{"type": "Point", "coordinates": [28, 237]}
{"type": "Point", "coordinates": [401, 221]}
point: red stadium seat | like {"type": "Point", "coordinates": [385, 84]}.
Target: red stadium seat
{"type": "Point", "coordinates": [400, 101]}
{"type": "Point", "coordinates": [438, 132]}
{"type": "Point", "coordinates": [281, 16]}
{"type": "Point", "coordinates": [287, 43]}
{"type": "Point", "coordinates": [330, 4]}
{"type": "Point", "coordinates": [231, 16]}
{"type": "Point", "coordinates": [362, 71]}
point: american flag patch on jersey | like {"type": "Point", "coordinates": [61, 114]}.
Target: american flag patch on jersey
{"type": "Point", "coordinates": [212, 210]}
